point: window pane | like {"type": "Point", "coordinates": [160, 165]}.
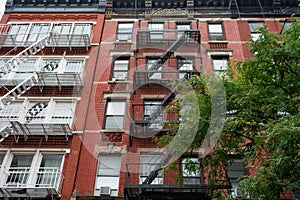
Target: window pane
{"type": "Point", "coordinates": [114, 122]}
{"type": "Point", "coordinates": [37, 112]}
{"type": "Point", "coordinates": [254, 26]}
{"type": "Point", "coordinates": [21, 161]}
{"type": "Point", "coordinates": [74, 66]}
{"type": "Point", "coordinates": [109, 165]}
{"type": "Point", "coordinates": [155, 75]}
{"type": "Point", "coordinates": [148, 163]}
{"type": "Point", "coordinates": [51, 161]}
{"type": "Point", "coordinates": [50, 65]}
{"type": "Point", "coordinates": [115, 108]}
{"type": "Point", "coordinates": [215, 28]}
{"type": "Point", "coordinates": [1, 158]}
{"type": "Point", "coordinates": [153, 26]}
{"type": "Point", "coordinates": [121, 65]}
{"type": "Point", "coordinates": [220, 64]}
{"type": "Point", "coordinates": [124, 31]}
{"type": "Point", "coordinates": [62, 112]}
{"type": "Point", "coordinates": [236, 169]}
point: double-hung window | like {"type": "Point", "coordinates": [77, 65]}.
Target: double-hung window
{"type": "Point", "coordinates": [254, 29]}
{"type": "Point", "coordinates": [19, 170]}
{"type": "Point", "coordinates": [156, 31]}
{"type": "Point", "coordinates": [151, 106]}
{"type": "Point", "coordinates": [181, 28]}
{"type": "Point", "coordinates": [120, 71]}
{"type": "Point", "coordinates": [115, 113]}
{"type": "Point", "coordinates": [149, 163]}
{"type": "Point", "coordinates": [184, 66]}
{"type": "Point", "coordinates": [37, 31]}
{"type": "Point", "coordinates": [108, 175]}
{"type": "Point", "coordinates": [235, 170]}
{"type": "Point", "coordinates": [220, 64]}
{"type": "Point", "coordinates": [153, 74]}
{"type": "Point", "coordinates": [124, 32]}
{"type": "Point", "coordinates": [191, 171]}
{"type": "Point", "coordinates": [215, 31]}
{"type": "Point", "coordinates": [18, 33]}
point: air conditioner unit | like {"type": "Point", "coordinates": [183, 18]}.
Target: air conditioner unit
{"type": "Point", "coordinates": [104, 190]}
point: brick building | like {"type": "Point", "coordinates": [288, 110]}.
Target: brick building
{"type": "Point", "coordinates": [85, 84]}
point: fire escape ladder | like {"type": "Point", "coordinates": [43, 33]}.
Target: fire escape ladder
{"type": "Point", "coordinates": [14, 62]}
{"type": "Point", "coordinates": [167, 54]}
{"type": "Point", "coordinates": [153, 174]}
{"type": "Point", "coordinates": [23, 55]}
{"type": "Point", "coordinates": [17, 91]}
{"type": "Point", "coordinates": [5, 132]}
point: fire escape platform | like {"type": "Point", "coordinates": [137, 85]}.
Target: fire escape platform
{"type": "Point", "coordinates": [166, 191]}
{"type": "Point", "coordinates": [25, 192]}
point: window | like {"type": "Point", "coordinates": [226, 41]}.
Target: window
{"type": "Point", "coordinates": [50, 167]}
{"type": "Point", "coordinates": [19, 170]}
{"type": "Point", "coordinates": [150, 62]}
{"type": "Point", "coordinates": [50, 65]}
{"type": "Point", "coordinates": [38, 30]}
{"type": "Point", "coordinates": [124, 31]}
{"type": "Point", "coordinates": [285, 25]}
{"type": "Point", "coordinates": [184, 66]}
{"type": "Point", "coordinates": [148, 163]}
{"type": "Point", "coordinates": [235, 170]}
{"type": "Point", "coordinates": [254, 29]}
{"type": "Point", "coordinates": [191, 171]}
{"type": "Point", "coordinates": [216, 31]}
{"type": "Point", "coordinates": [156, 31]}
{"type": "Point", "coordinates": [25, 69]}
{"type": "Point", "coordinates": [150, 106]}
{"type": "Point", "coordinates": [120, 71]}
{"type": "Point", "coordinates": [74, 66]}
{"type": "Point", "coordinates": [220, 64]}
{"type": "Point", "coordinates": [114, 117]}
{"type": "Point", "coordinates": [108, 174]}
{"type": "Point", "coordinates": [18, 31]}
{"type": "Point", "coordinates": [181, 28]}
{"type": "Point", "coordinates": [36, 168]}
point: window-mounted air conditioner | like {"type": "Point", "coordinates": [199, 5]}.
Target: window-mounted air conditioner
{"type": "Point", "coordinates": [104, 190]}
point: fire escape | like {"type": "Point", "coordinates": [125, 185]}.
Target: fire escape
{"type": "Point", "coordinates": [16, 88]}
{"type": "Point", "coordinates": [142, 126]}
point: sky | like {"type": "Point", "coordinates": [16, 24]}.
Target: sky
{"type": "Point", "coordinates": [2, 7]}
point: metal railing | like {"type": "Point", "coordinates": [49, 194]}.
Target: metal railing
{"type": "Point", "coordinates": [166, 37]}
{"type": "Point", "coordinates": [59, 40]}
{"type": "Point", "coordinates": [26, 177]}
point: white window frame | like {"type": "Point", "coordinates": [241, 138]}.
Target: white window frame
{"type": "Point", "coordinates": [181, 28]}
{"type": "Point", "coordinates": [254, 29]}
{"type": "Point", "coordinates": [215, 31]}
{"type": "Point", "coordinates": [149, 162]}
{"type": "Point", "coordinates": [156, 31]}
{"type": "Point", "coordinates": [124, 31]}
{"type": "Point", "coordinates": [113, 110]}
{"type": "Point", "coordinates": [220, 63]}
{"type": "Point", "coordinates": [191, 177]}
{"type": "Point", "coordinates": [33, 171]}
{"type": "Point", "coordinates": [120, 69]}
{"type": "Point", "coordinates": [157, 75]}
{"type": "Point", "coordinates": [108, 174]}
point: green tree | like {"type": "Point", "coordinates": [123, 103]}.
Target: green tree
{"type": "Point", "coordinates": [263, 122]}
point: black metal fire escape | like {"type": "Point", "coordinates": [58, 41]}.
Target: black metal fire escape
{"type": "Point", "coordinates": [188, 37]}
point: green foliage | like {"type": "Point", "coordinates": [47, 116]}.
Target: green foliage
{"type": "Point", "coordinates": [263, 97]}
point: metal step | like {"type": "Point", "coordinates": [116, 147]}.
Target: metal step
{"type": "Point", "coordinates": [167, 54]}
{"type": "Point", "coordinates": [5, 132]}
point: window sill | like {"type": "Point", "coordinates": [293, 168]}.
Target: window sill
{"type": "Point", "coordinates": [117, 82]}
{"type": "Point", "coordinates": [112, 131]}
{"type": "Point", "coordinates": [218, 41]}
{"type": "Point", "coordinates": [123, 42]}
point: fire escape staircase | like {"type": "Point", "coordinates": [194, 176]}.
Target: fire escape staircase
{"type": "Point", "coordinates": [26, 84]}
{"type": "Point", "coordinates": [188, 37]}
{"type": "Point", "coordinates": [169, 98]}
